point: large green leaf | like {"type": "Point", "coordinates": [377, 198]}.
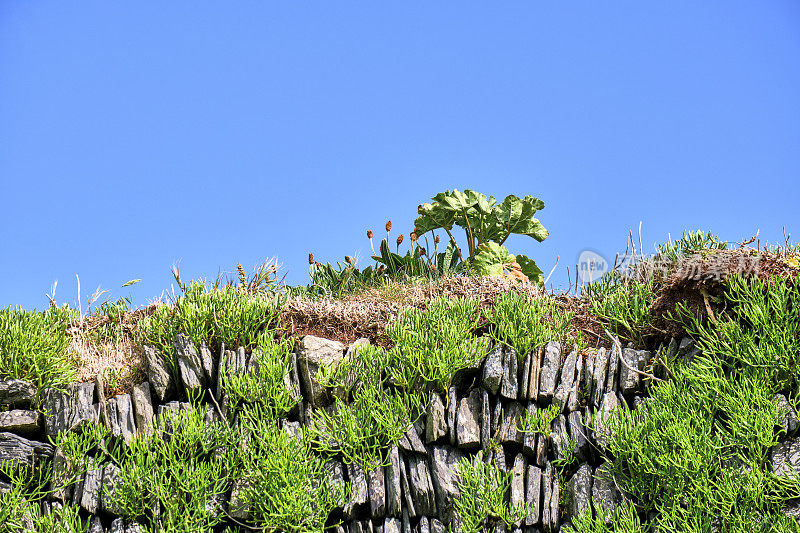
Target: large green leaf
{"type": "Point", "coordinates": [469, 202]}
{"type": "Point", "coordinates": [492, 258]}
{"type": "Point", "coordinates": [515, 215]}
{"type": "Point", "coordinates": [432, 217]}
{"type": "Point", "coordinates": [529, 268]}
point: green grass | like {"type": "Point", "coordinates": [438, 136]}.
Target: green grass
{"type": "Point", "coordinates": [697, 453]}
{"type": "Point", "coordinates": [527, 324]}
{"type": "Point", "coordinates": [34, 346]}
{"type": "Point", "coordinates": [623, 303]}
{"type": "Point", "coordinates": [482, 495]}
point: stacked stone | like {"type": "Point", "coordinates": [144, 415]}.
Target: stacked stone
{"type": "Point", "coordinates": [477, 418]}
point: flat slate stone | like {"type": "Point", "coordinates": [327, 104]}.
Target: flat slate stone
{"type": "Point", "coordinates": [19, 421]}
{"type": "Point", "coordinates": [143, 407]}
{"type": "Point", "coordinates": [612, 376]}
{"type": "Point", "coordinates": [599, 377]}
{"type": "Point", "coordinates": [533, 495]}
{"type": "Point", "coordinates": [789, 420]}
{"type": "Point", "coordinates": [588, 377]}
{"type": "Point", "coordinates": [61, 474]}
{"type": "Point", "coordinates": [468, 422]}
{"type": "Point", "coordinates": [125, 419]}
{"type": "Point", "coordinates": [486, 419]}
{"type": "Point", "coordinates": [409, 506]}
{"type": "Point", "coordinates": [579, 432]}
{"type": "Point", "coordinates": [190, 365]}
{"type": "Point", "coordinates": [392, 525]}
{"type": "Point", "coordinates": [90, 494]}
{"type": "Point", "coordinates": [604, 490]}
{"type": "Point", "coordinates": [66, 411]}
{"type": "Point", "coordinates": [95, 525]}
{"type": "Point", "coordinates": [18, 450]}
{"type": "Point", "coordinates": [237, 508]}
{"type": "Point", "coordinates": [360, 500]}
{"type": "Point", "coordinates": [377, 492]}
{"type": "Point", "coordinates": [785, 457]}
{"type": "Point", "coordinates": [509, 386]}
{"type": "Point", "coordinates": [207, 362]}
{"type": "Point", "coordinates": [567, 380]}
{"type": "Point", "coordinates": [547, 490]}
{"type": "Point", "coordinates": [16, 392]}
{"type": "Point", "coordinates": [452, 407]}
{"type": "Point", "coordinates": [312, 354]}
{"type": "Point", "coordinates": [411, 442]}
{"type": "Point", "coordinates": [421, 485]}
{"type": "Point", "coordinates": [117, 526]}
{"type": "Point", "coordinates": [534, 376]}
{"type": "Point", "coordinates": [529, 437]}
{"type": "Point", "coordinates": [158, 373]}
{"type": "Point", "coordinates": [493, 369]}
{"type": "Point", "coordinates": [392, 479]}
{"type": "Point", "coordinates": [609, 405]}
{"type": "Point", "coordinates": [111, 480]}
{"type": "Point", "coordinates": [444, 462]}
{"type": "Point", "coordinates": [559, 436]}
{"type": "Point", "coordinates": [578, 387]}
{"type": "Point", "coordinates": [518, 481]}
{"type": "Point", "coordinates": [509, 431]}
{"type": "Point", "coordinates": [555, 497]}
{"type": "Point", "coordinates": [549, 371]}
{"type": "Point", "coordinates": [580, 491]}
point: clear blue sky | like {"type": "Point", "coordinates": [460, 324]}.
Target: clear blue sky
{"type": "Point", "coordinates": [134, 135]}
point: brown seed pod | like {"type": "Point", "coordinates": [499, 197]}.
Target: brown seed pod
{"type": "Point", "coordinates": [310, 259]}
{"type": "Point", "coordinates": [413, 237]}
{"type": "Point", "coordinates": [436, 239]}
{"type": "Point", "coordinates": [348, 259]}
{"type": "Point", "coordinates": [421, 250]}
{"type": "Point", "coordinates": [381, 269]}
{"type": "Point", "coordinates": [369, 234]}
{"type": "Point", "coordinates": [399, 239]}
{"type": "Point", "coordinates": [388, 225]}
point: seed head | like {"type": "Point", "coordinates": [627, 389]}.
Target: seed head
{"type": "Point", "coordinates": [413, 236]}
{"type": "Point", "coordinates": [348, 259]}
{"type": "Point", "coordinates": [399, 239]}
{"type": "Point", "coordinates": [369, 234]}
{"type": "Point", "coordinates": [310, 259]}
{"type": "Point", "coordinates": [388, 226]}
{"type": "Point", "coordinates": [436, 239]}
{"type": "Point", "coordinates": [422, 250]}
{"type": "Point", "coordinates": [381, 269]}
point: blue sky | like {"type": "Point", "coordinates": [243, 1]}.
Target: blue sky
{"type": "Point", "coordinates": [135, 136]}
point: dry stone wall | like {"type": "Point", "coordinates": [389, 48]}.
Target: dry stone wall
{"type": "Point", "coordinates": [415, 491]}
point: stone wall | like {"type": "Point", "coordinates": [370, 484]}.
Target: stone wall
{"type": "Point", "coordinates": [415, 491]}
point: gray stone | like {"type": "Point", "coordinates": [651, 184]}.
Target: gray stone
{"type": "Point", "coordinates": [392, 525]}
{"type": "Point", "coordinates": [65, 411]}
{"type": "Point", "coordinates": [785, 457]}
{"type": "Point", "coordinates": [421, 486]}
{"type": "Point", "coordinates": [117, 526]}
{"type": "Point", "coordinates": [238, 509]}
{"type": "Point", "coordinates": [486, 419]}
{"type": "Point", "coordinates": [612, 377]}
{"type": "Point", "coordinates": [360, 499]}
{"type": "Point", "coordinates": [509, 386]}
{"type": "Point", "coordinates": [335, 471]}
{"type": "Point", "coordinates": [599, 377]}
{"type": "Point", "coordinates": [207, 362]}
{"type": "Point", "coordinates": [133, 527]}
{"type": "Point", "coordinates": [789, 420]}
{"type": "Point", "coordinates": [408, 499]}
{"type": "Point", "coordinates": [95, 525]}
{"type": "Point", "coordinates": [314, 353]}
{"type": "Point", "coordinates": [559, 436]}
{"type": "Point", "coordinates": [111, 480]}
{"type": "Point", "coordinates": [549, 371]}
{"type": "Point", "coordinates": [158, 373]}
{"type": "Point", "coordinates": [580, 491]}
{"type": "Point", "coordinates": [411, 442]}
{"type": "Point", "coordinates": [493, 369]}
{"type": "Point", "coordinates": [555, 496]}
{"type": "Point", "coordinates": [604, 490]}
{"type": "Point", "coordinates": [436, 526]}
{"type": "Point", "coordinates": [19, 421]}
{"type": "Point", "coordinates": [547, 490]}
{"type": "Point", "coordinates": [509, 431]}
{"type": "Point", "coordinates": [143, 408]}
{"type": "Point", "coordinates": [18, 450]}
{"type": "Point", "coordinates": [125, 420]}
{"type": "Point", "coordinates": [577, 429]}
{"type": "Point", "coordinates": [630, 378]}
{"type": "Point", "coordinates": [467, 421]}
{"type": "Point", "coordinates": [534, 376]}
{"type": "Point", "coordinates": [497, 415]}
{"type": "Point", "coordinates": [542, 447]}
{"type": "Point", "coordinates": [377, 492]}
{"type": "Point", "coordinates": [16, 392]}
{"type": "Point", "coordinates": [588, 377]}
{"type": "Point", "coordinates": [452, 407]}
{"type": "Point", "coordinates": [190, 364]}
{"type": "Point", "coordinates": [688, 350]}
{"type": "Point", "coordinates": [518, 481]}
{"type": "Point", "coordinates": [424, 525]}
{"type": "Point", "coordinates": [567, 381]}
{"type": "Point", "coordinates": [533, 495]}
{"type": "Point", "coordinates": [223, 369]}
{"type": "Point", "coordinates": [470, 375]}
{"type": "Point", "coordinates": [601, 432]}
{"type": "Point", "coordinates": [529, 437]}
{"type": "Point", "coordinates": [90, 494]}
{"type": "Point", "coordinates": [524, 381]}
{"type": "Point", "coordinates": [444, 462]}
{"type": "Point", "coordinates": [62, 473]}
{"type": "Point", "coordinates": [578, 388]}
{"type": "Point", "coordinates": [393, 486]}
